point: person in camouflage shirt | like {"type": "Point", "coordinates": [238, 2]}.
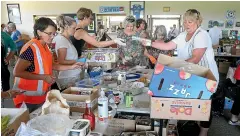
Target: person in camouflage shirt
{"type": "Point", "coordinates": [133, 53]}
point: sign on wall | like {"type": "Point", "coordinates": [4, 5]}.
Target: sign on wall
{"type": "Point", "coordinates": [137, 9]}
{"type": "Point", "coordinates": [14, 14]}
{"type": "Point", "coordinates": [111, 9]}
{"type": "Point", "coordinates": [230, 14]}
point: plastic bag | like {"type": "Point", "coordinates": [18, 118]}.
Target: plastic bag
{"type": "Point", "coordinates": [55, 103]}
{"type": "Point", "coordinates": [23, 130]}
{"type": "Point", "coordinates": [46, 125]}
{"type": "Point", "coordinates": [23, 105]}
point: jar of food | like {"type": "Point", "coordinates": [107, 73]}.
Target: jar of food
{"type": "Point", "coordinates": [116, 97]}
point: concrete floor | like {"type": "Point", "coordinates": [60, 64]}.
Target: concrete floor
{"type": "Point", "coordinates": [219, 127]}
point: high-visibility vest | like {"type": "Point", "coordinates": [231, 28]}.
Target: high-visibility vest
{"type": "Point", "coordinates": [35, 89]}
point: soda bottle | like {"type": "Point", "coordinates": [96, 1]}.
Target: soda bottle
{"type": "Point", "coordinates": [88, 114]}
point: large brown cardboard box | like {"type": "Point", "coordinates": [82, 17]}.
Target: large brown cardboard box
{"type": "Point", "coordinates": [176, 78]}
{"type": "Point", "coordinates": [77, 102]}
{"type": "Point", "coordinates": [180, 109]}
{"type": "Point", "coordinates": [17, 115]}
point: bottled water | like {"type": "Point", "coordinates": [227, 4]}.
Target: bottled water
{"type": "Point", "coordinates": [102, 107]}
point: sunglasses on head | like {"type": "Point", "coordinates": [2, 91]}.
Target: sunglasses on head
{"type": "Point", "coordinates": [193, 11]}
{"type": "Point", "coordinates": [130, 20]}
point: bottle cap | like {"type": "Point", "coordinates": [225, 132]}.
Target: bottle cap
{"type": "Point", "coordinates": [102, 93]}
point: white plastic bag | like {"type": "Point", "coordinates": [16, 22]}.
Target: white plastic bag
{"type": "Point", "coordinates": [24, 105]}
{"type": "Point", "coordinates": [23, 130]}
{"type": "Point", "coordinates": [46, 125]}
{"type": "Point", "coordinates": [55, 103]}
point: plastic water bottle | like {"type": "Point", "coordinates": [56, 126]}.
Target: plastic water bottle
{"type": "Point", "coordinates": [111, 100]}
{"type": "Point", "coordinates": [102, 107]}
{"type": "Point", "coordinates": [218, 50]}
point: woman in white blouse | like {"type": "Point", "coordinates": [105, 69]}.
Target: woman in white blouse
{"type": "Point", "coordinates": [193, 45]}
{"type": "Point", "coordinates": [65, 50]}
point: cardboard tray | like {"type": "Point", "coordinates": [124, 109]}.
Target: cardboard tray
{"type": "Point", "coordinates": [77, 102]}
{"type": "Point", "coordinates": [18, 115]}
{"type": "Point", "coordinates": [180, 109]}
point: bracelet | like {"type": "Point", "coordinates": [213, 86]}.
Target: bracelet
{"type": "Point", "coordinates": [10, 95]}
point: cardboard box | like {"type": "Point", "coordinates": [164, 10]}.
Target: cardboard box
{"type": "Point", "coordinates": [119, 125]}
{"type": "Point", "coordinates": [143, 123]}
{"type": "Point", "coordinates": [77, 102]}
{"type": "Point", "coordinates": [192, 81]}
{"type": "Point", "coordinates": [180, 109]}
{"type": "Point", "coordinates": [223, 67]}
{"type": "Point", "coordinates": [235, 51]}
{"type": "Point", "coordinates": [18, 115]}
{"type": "Point", "coordinates": [103, 55]}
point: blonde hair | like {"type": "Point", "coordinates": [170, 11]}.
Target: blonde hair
{"type": "Point", "coordinates": [160, 33]}
{"type": "Point", "coordinates": [84, 12]}
{"type": "Point", "coordinates": [193, 14]}
{"type": "Point", "coordinates": [129, 20]}
{"type": "Point", "coordinates": [64, 21]}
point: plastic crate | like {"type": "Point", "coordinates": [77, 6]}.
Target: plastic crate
{"type": "Point", "coordinates": [95, 73]}
{"type": "Point", "coordinates": [88, 83]}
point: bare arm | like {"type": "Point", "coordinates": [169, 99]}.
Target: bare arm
{"type": "Point", "coordinates": [161, 45]}
{"type": "Point", "coordinates": [10, 56]}
{"type": "Point", "coordinates": [60, 67]}
{"type": "Point", "coordinates": [62, 52]}
{"type": "Point", "coordinates": [20, 71]}
{"type": "Point", "coordinates": [197, 55]}
{"type": "Point", "coordinates": [82, 34]}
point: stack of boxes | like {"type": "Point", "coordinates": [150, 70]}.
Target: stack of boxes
{"type": "Point", "coordinates": [181, 90]}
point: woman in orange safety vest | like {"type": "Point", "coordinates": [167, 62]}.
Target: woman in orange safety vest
{"type": "Point", "coordinates": [33, 70]}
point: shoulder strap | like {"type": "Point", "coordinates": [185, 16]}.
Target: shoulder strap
{"type": "Point", "coordinates": [191, 46]}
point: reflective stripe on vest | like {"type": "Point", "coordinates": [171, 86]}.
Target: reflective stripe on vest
{"type": "Point", "coordinates": [39, 91]}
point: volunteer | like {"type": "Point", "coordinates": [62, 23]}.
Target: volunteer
{"type": "Point", "coordinates": [141, 26]}
{"type": "Point", "coordinates": [236, 105]}
{"type": "Point", "coordinates": [16, 36]}
{"type": "Point", "coordinates": [195, 46]}
{"type": "Point", "coordinates": [33, 70]}
{"type": "Point", "coordinates": [215, 34]}
{"type": "Point", "coordinates": [66, 52]}
{"type": "Point", "coordinates": [160, 34]}
{"type": "Point", "coordinates": [85, 18]}
{"type": "Point", "coordinates": [173, 32]}
{"type": "Point", "coordinates": [133, 53]}
{"type": "Point", "coordinates": [6, 43]}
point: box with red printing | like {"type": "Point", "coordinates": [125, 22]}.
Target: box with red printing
{"type": "Point", "coordinates": [180, 109]}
